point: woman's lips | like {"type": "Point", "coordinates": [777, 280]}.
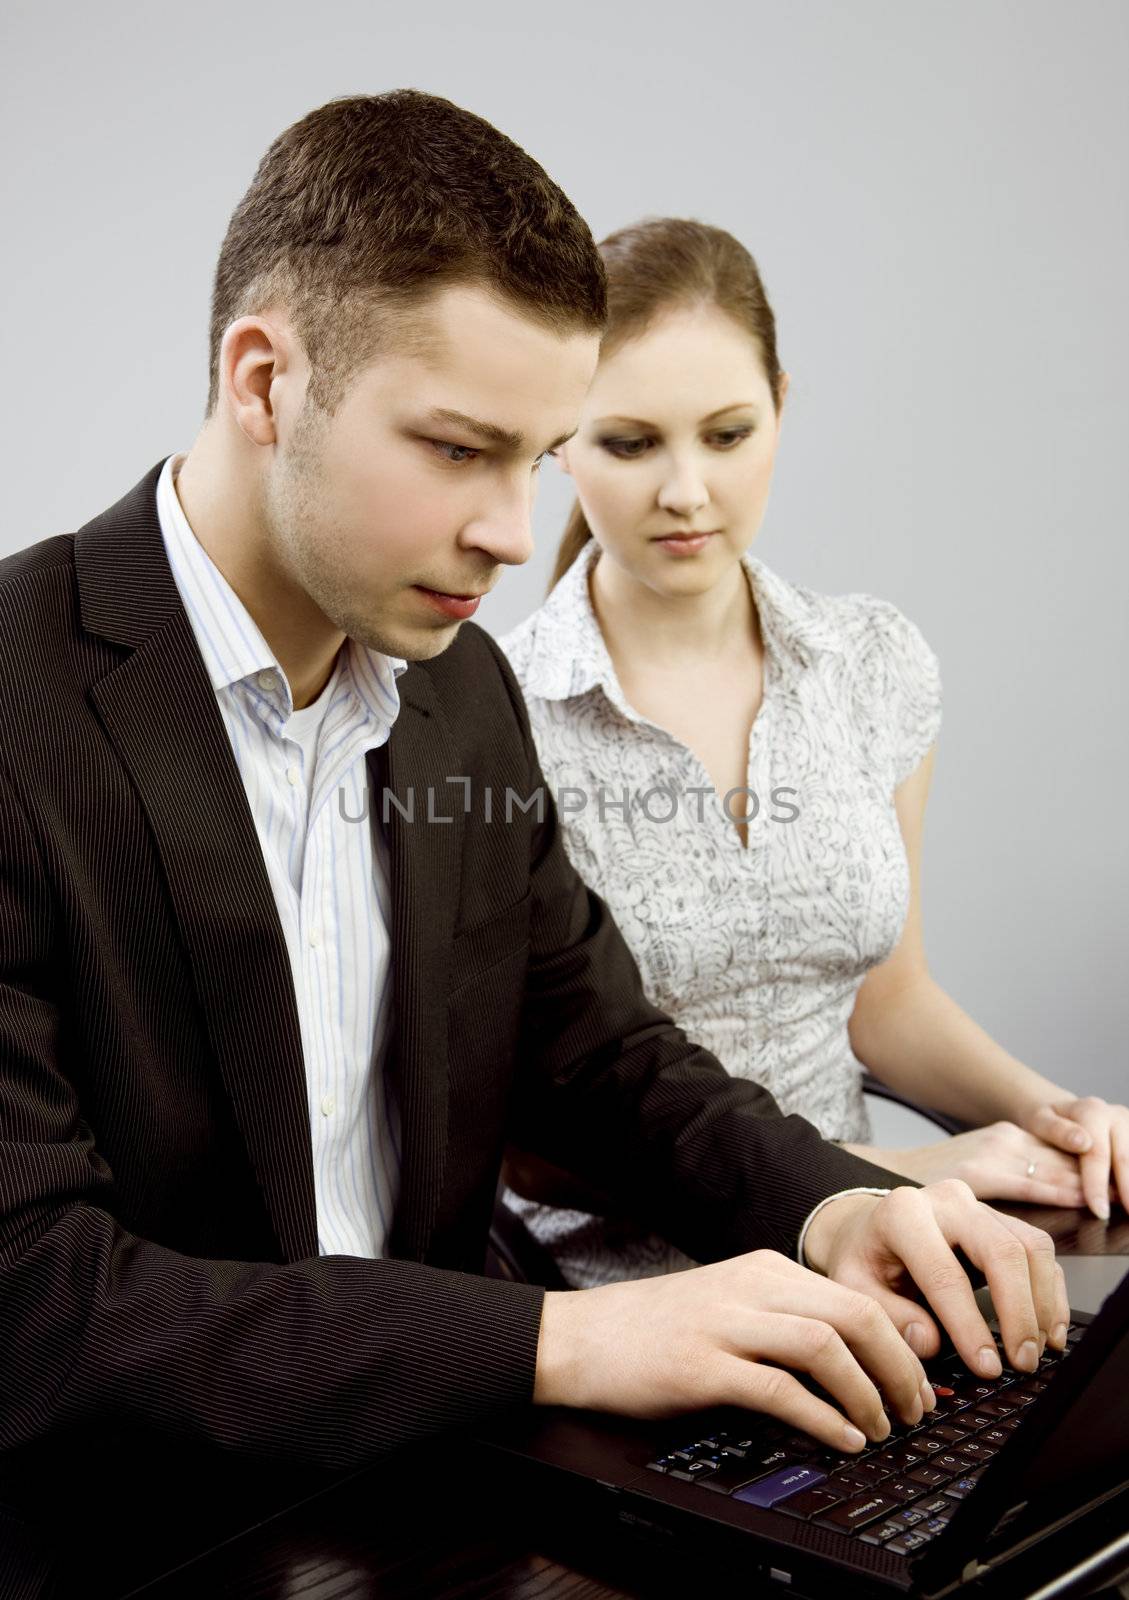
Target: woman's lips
{"type": "Point", "coordinates": [681, 544]}
{"type": "Point", "coordinates": [458, 606]}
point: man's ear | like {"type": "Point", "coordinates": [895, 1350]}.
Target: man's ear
{"type": "Point", "coordinates": [560, 456]}
{"type": "Point", "coordinates": [256, 369]}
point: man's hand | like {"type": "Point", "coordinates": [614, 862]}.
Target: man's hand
{"type": "Point", "coordinates": [886, 1246]}
{"type": "Point", "coordinates": [725, 1334]}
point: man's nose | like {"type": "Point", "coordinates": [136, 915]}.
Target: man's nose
{"type": "Point", "coordinates": [684, 490]}
{"type": "Point", "coordinates": [503, 530]}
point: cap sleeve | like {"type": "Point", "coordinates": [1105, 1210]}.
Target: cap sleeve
{"type": "Point", "coordinates": [902, 679]}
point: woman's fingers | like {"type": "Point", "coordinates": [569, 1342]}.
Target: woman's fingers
{"type": "Point", "coordinates": [1037, 1190]}
{"type": "Point", "coordinates": [1094, 1116]}
{"type": "Point", "coordinates": [1048, 1123]}
{"type": "Point", "coordinates": [1119, 1150]}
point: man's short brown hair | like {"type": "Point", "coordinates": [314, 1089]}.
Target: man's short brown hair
{"type": "Point", "coordinates": [378, 200]}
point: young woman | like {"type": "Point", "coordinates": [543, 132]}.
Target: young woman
{"type": "Point", "coordinates": [741, 766]}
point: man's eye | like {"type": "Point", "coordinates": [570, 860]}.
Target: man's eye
{"type": "Point", "coordinates": [458, 453]}
{"type": "Point", "coordinates": [626, 449]}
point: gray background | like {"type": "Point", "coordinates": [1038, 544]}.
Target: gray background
{"type": "Point", "coordinates": [936, 195]}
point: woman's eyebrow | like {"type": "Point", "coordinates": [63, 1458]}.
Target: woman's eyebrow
{"type": "Point", "coordinates": [641, 422]}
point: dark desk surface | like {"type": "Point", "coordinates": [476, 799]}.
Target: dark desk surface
{"type": "Point", "coordinates": [427, 1524]}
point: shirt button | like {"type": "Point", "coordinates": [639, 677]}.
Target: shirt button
{"type": "Point", "coordinates": [328, 1105]}
{"type": "Point", "coordinates": [314, 938]}
{"type": "Point", "coordinates": [265, 680]}
{"type": "Point", "coordinates": [293, 777]}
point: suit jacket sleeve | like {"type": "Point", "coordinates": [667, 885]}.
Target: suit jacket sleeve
{"type": "Point", "coordinates": [325, 1362]}
{"type": "Point", "coordinates": [611, 1090]}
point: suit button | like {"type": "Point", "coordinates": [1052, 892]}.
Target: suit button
{"type": "Point", "coordinates": [328, 1105]}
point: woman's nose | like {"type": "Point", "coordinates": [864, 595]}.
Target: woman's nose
{"type": "Point", "coordinates": [684, 491]}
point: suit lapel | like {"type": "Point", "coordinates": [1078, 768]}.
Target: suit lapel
{"type": "Point", "coordinates": [159, 709]}
{"type": "Point", "coordinates": [424, 862]}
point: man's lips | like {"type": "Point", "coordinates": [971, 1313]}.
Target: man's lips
{"type": "Point", "coordinates": [458, 606]}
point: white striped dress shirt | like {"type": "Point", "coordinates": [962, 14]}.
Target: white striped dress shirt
{"type": "Point", "coordinates": [305, 777]}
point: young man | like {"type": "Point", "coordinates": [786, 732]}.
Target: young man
{"type": "Point", "coordinates": [263, 1038]}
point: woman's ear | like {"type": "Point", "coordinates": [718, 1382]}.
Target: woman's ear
{"type": "Point", "coordinates": [785, 380]}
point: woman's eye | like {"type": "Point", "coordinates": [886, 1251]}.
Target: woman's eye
{"type": "Point", "coordinates": [458, 452]}
{"type": "Point", "coordinates": [627, 449]}
{"type": "Point", "coordinates": [731, 436]}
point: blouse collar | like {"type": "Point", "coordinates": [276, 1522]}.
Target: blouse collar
{"type": "Point", "coordinates": [568, 655]}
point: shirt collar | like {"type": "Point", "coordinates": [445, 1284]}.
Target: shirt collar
{"type": "Point", "coordinates": [231, 643]}
{"type": "Point", "coordinates": [568, 655]}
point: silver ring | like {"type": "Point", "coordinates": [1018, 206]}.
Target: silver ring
{"type": "Point", "coordinates": [1031, 1168]}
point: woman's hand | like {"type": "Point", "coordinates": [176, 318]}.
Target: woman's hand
{"type": "Point", "coordinates": [1095, 1132]}
{"type": "Point", "coordinates": [996, 1164]}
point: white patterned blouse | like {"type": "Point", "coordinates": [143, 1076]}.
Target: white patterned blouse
{"type": "Point", "coordinates": [757, 952]}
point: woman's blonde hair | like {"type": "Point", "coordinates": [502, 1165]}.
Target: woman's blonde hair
{"type": "Point", "coordinates": [657, 265]}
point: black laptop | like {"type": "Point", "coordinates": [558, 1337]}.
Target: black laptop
{"type": "Point", "coordinates": [1017, 1486]}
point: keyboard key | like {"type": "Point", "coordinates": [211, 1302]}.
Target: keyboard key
{"type": "Point", "coordinates": [800, 1446]}
{"type": "Point", "coordinates": [907, 1542]}
{"type": "Point", "coordinates": [938, 1506]}
{"type": "Point", "coordinates": [731, 1474]}
{"type": "Point", "coordinates": [901, 1490]}
{"type": "Point", "coordinates": [810, 1502]}
{"type": "Point", "coordinates": [947, 1433]}
{"type": "Point", "coordinates": [867, 1475]}
{"type": "Point", "coordinates": [960, 1488]}
{"type": "Point", "coordinates": [932, 1477]}
{"type": "Point", "coordinates": [975, 1452]}
{"type": "Point", "coordinates": [1003, 1408]}
{"type": "Point", "coordinates": [779, 1485]}
{"type": "Point", "coordinates": [856, 1513]}
{"type": "Point", "coordinates": [879, 1534]}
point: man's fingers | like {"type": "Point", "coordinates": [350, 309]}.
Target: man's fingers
{"type": "Point", "coordinates": [915, 1235]}
{"type": "Point", "coordinates": [1048, 1286]}
{"type": "Point", "coordinates": [1002, 1249]}
{"type": "Point", "coordinates": [778, 1394]}
{"type": "Point", "coordinates": [815, 1347]}
{"type": "Point", "coordinates": [860, 1321]}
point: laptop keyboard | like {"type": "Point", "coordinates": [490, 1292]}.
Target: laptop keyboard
{"type": "Point", "coordinates": [900, 1493]}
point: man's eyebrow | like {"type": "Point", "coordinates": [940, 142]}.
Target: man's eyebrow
{"type": "Point", "coordinates": [490, 431]}
{"type": "Point", "coordinates": [641, 422]}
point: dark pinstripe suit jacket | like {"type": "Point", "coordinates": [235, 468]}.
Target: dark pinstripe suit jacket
{"type": "Point", "coordinates": [158, 1248]}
